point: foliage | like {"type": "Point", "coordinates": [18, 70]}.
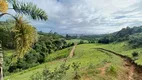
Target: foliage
{"type": "Point", "coordinates": [75, 67]}
{"type": "Point", "coordinates": [31, 59]}
{"type": "Point", "coordinates": [29, 9]}
{"type": "Point", "coordinates": [25, 37]}
{"type": "Point", "coordinates": [69, 37]}
{"type": "Point", "coordinates": [135, 54]}
{"type": "Point", "coordinates": [135, 40]}
{"type": "Point", "coordinates": [86, 56]}
{"type": "Point", "coordinates": [41, 51]}
{"type": "Point", "coordinates": [3, 6]}
{"type": "Point", "coordinates": [104, 40]}
{"type": "Point", "coordinates": [5, 35]}
{"type": "Point", "coordinates": [91, 37]}
{"type": "Point", "coordinates": [92, 41]}
{"type": "Point", "coordinates": [81, 42]}
{"type": "Point", "coordinates": [112, 70]}
{"type": "Point", "coordinates": [122, 35]}
{"type": "Point", "coordinates": [46, 74]}
{"type": "Point", "coordinates": [24, 33]}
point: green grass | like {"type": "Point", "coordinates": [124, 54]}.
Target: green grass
{"type": "Point", "coordinates": [75, 41]}
{"type": "Point", "coordinates": [124, 49]}
{"type": "Point", "coordinates": [84, 54]}
{"type": "Point", "coordinates": [58, 55]}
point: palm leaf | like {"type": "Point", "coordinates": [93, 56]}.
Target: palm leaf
{"type": "Point", "coordinates": [29, 9]}
{"type": "Point", "coordinates": [25, 36]}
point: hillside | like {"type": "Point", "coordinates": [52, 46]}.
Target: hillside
{"type": "Point", "coordinates": [52, 50]}
{"type": "Point", "coordinates": [94, 64]}
{"type": "Point", "coordinates": [119, 36]}
{"type": "Point", "coordinates": [70, 40]}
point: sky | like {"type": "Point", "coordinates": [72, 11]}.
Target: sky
{"type": "Point", "coordinates": [88, 16]}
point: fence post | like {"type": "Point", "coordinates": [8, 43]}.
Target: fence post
{"type": "Point", "coordinates": [1, 61]}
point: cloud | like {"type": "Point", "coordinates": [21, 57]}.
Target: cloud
{"type": "Point", "coordinates": [88, 16]}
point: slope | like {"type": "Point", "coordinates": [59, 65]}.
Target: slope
{"type": "Point", "coordinates": [91, 61]}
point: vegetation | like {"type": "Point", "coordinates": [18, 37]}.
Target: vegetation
{"type": "Point", "coordinates": [75, 67]}
{"type": "Point", "coordinates": [136, 40]}
{"type": "Point", "coordinates": [57, 74]}
{"type": "Point", "coordinates": [122, 35]}
{"type": "Point", "coordinates": [86, 56]}
{"type": "Point", "coordinates": [24, 33]}
{"type": "Point", "coordinates": [44, 56]}
{"type": "Point", "coordinates": [44, 50]}
{"type": "Point", "coordinates": [91, 60]}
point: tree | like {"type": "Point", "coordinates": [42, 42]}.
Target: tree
{"type": "Point", "coordinates": [24, 32]}
{"type": "Point", "coordinates": [135, 40]}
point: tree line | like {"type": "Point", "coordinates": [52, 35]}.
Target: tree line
{"type": "Point", "coordinates": [132, 35]}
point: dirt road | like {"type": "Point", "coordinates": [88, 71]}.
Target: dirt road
{"type": "Point", "coordinates": [72, 51]}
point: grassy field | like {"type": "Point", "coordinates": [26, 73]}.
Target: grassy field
{"type": "Point", "coordinates": [59, 54]}
{"type": "Point", "coordinates": [75, 41]}
{"type": "Point", "coordinates": [91, 62]}
{"type": "Point", "coordinates": [124, 49]}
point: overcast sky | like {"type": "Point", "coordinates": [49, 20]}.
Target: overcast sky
{"type": "Point", "coordinates": [88, 16]}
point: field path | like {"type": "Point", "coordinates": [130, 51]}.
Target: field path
{"type": "Point", "coordinates": [134, 71]}
{"type": "Point", "coordinates": [72, 51]}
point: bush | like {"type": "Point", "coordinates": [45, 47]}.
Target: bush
{"type": "Point", "coordinates": [46, 74]}
{"type": "Point", "coordinates": [81, 42]}
{"type": "Point", "coordinates": [135, 55]}
{"type": "Point", "coordinates": [75, 67]}
{"type": "Point", "coordinates": [111, 70]}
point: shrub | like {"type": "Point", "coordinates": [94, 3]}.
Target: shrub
{"type": "Point", "coordinates": [76, 66]}
{"type": "Point", "coordinates": [111, 70]}
{"type": "Point", "coordinates": [46, 74]}
{"type": "Point", "coordinates": [81, 42]}
{"type": "Point", "coordinates": [135, 54]}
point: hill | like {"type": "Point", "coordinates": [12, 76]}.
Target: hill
{"type": "Point", "coordinates": [95, 64]}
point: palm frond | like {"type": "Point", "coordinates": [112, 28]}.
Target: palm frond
{"type": "Point", "coordinates": [25, 36]}
{"type": "Point", "coordinates": [29, 9]}
{"type": "Point", "coordinates": [1, 15]}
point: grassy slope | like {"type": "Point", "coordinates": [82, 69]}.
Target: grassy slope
{"type": "Point", "coordinates": [124, 49]}
{"type": "Point", "coordinates": [87, 56]}
{"type": "Point", "coordinates": [75, 41]}
{"type": "Point", "coordinates": [24, 75]}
